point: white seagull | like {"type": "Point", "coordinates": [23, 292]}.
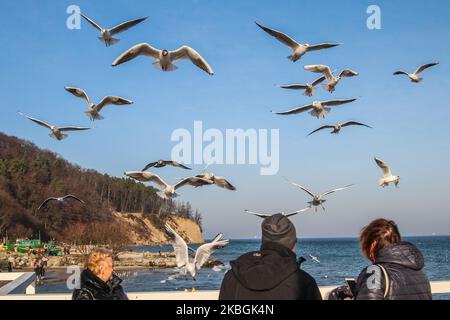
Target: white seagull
{"type": "Point", "coordinates": [332, 80]}
{"type": "Point", "coordinates": [298, 49]}
{"type": "Point", "coordinates": [164, 59]}
{"type": "Point", "coordinates": [202, 254]}
{"type": "Point", "coordinates": [106, 35]}
{"type": "Point", "coordinates": [415, 76]}
{"type": "Point", "coordinates": [338, 127]}
{"type": "Point", "coordinates": [319, 109]}
{"type": "Point", "coordinates": [56, 131]}
{"type": "Point", "coordinates": [318, 198]}
{"type": "Point", "coordinates": [315, 259]}
{"type": "Point", "coordinates": [60, 200]}
{"type": "Point", "coordinates": [217, 180]}
{"type": "Point", "coordinates": [163, 163]}
{"type": "Point", "coordinates": [94, 109]}
{"type": "Point", "coordinates": [289, 214]}
{"type": "Point", "coordinates": [168, 191]}
{"type": "Point", "coordinates": [387, 174]}
{"type": "Point", "coordinates": [310, 88]}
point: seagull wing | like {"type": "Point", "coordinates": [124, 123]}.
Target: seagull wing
{"type": "Point", "coordinates": [142, 49]}
{"type": "Point", "coordinates": [70, 196]}
{"type": "Point", "coordinates": [336, 102]}
{"type": "Point", "coordinates": [317, 81]}
{"type": "Point", "coordinates": [92, 22]}
{"type": "Point", "coordinates": [425, 66]}
{"type": "Point", "coordinates": [185, 52]}
{"type": "Point", "coordinates": [283, 38]}
{"type": "Point", "coordinates": [147, 176]}
{"type": "Point", "coordinates": [296, 110]}
{"type": "Point", "coordinates": [354, 123]}
{"type": "Point", "coordinates": [115, 100]}
{"type": "Point", "coordinates": [261, 215]}
{"type": "Point", "coordinates": [384, 167]}
{"type": "Point", "coordinates": [294, 86]}
{"type": "Point", "coordinates": [46, 201]}
{"type": "Point", "coordinates": [39, 122]}
{"type": "Point", "coordinates": [80, 93]}
{"type": "Point", "coordinates": [223, 183]}
{"type": "Point", "coordinates": [301, 187]}
{"type": "Point", "coordinates": [320, 68]}
{"type": "Point", "coordinates": [334, 190]}
{"type": "Point", "coordinates": [206, 250]}
{"type": "Point", "coordinates": [193, 181]}
{"type": "Point", "coordinates": [151, 164]}
{"type": "Point", "coordinates": [348, 73]}
{"type": "Point", "coordinates": [321, 46]}
{"type": "Point", "coordinates": [290, 214]}
{"type": "Point", "coordinates": [74, 128]}
{"type": "Point", "coordinates": [179, 246]}
{"type": "Point", "coordinates": [125, 26]}
{"type": "Point", "coordinates": [401, 72]}
{"type": "Point", "coordinates": [176, 164]}
{"type": "Point", "coordinates": [321, 128]}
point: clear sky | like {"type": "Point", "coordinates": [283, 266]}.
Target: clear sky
{"type": "Point", "coordinates": [411, 132]}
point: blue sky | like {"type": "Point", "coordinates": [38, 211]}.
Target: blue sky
{"type": "Point", "coordinates": [40, 56]}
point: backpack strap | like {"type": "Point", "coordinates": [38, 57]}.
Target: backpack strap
{"type": "Point", "coordinates": [387, 281]}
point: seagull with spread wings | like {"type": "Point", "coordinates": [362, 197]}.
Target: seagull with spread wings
{"type": "Point", "coordinates": [338, 127]}
{"type": "Point", "coordinates": [289, 214]}
{"type": "Point", "coordinates": [163, 163]}
{"type": "Point", "coordinates": [387, 174]}
{"type": "Point", "coordinates": [94, 109]}
{"type": "Point", "coordinates": [106, 35]}
{"type": "Point", "coordinates": [165, 59]}
{"type": "Point", "coordinates": [415, 77]}
{"type": "Point", "coordinates": [57, 132]}
{"type": "Point", "coordinates": [318, 109]}
{"type": "Point", "coordinates": [168, 191]}
{"type": "Point", "coordinates": [60, 200]}
{"type": "Point", "coordinates": [202, 254]}
{"type": "Point", "coordinates": [328, 74]}
{"type": "Point", "coordinates": [217, 180]}
{"type": "Point", "coordinates": [298, 49]}
{"type": "Point", "coordinates": [318, 198]}
{"type": "Point", "coordinates": [310, 88]}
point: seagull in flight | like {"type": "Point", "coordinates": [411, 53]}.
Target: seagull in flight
{"type": "Point", "coordinates": [415, 77]}
{"type": "Point", "coordinates": [318, 109]}
{"type": "Point", "coordinates": [94, 109]}
{"type": "Point", "coordinates": [318, 198]}
{"type": "Point", "coordinates": [165, 59]}
{"type": "Point", "coordinates": [106, 35]}
{"type": "Point", "coordinates": [168, 191]}
{"type": "Point", "coordinates": [328, 74]}
{"type": "Point", "coordinates": [310, 88]}
{"type": "Point", "coordinates": [202, 254]}
{"type": "Point", "coordinates": [217, 180]}
{"type": "Point", "coordinates": [315, 259]}
{"type": "Point", "coordinates": [387, 174]}
{"type": "Point", "coordinates": [289, 214]}
{"type": "Point", "coordinates": [60, 200]}
{"type": "Point", "coordinates": [298, 49]}
{"type": "Point", "coordinates": [163, 163]}
{"type": "Point", "coordinates": [338, 127]}
{"type": "Point", "coordinates": [57, 132]}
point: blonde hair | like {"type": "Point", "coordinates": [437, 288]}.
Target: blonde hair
{"type": "Point", "coordinates": [95, 258]}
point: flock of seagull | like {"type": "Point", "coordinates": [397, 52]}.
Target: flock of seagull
{"type": "Point", "coordinates": [165, 60]}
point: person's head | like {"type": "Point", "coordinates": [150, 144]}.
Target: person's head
{"type": "Point", "coordinates": [100, 262]}
{"type": "Point", "coordinates": [377, 235]}
{"type": "Point", "coordinates": [279, 229]}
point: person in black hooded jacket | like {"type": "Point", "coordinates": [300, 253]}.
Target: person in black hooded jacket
{"type": "Point", "coordinates": [271, 273]}
{"type": "Point", "coordinates": [98, 281]}
{"type": "Point", "coordinates": [397, 271]}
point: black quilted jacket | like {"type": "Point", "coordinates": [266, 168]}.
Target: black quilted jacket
{"type": "Point", "coordinates": [93, 288]}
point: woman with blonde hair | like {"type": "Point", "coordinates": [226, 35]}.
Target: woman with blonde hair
{"type": "Point", "coordinates": [98, 280]}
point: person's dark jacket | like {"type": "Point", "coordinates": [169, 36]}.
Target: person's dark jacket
{"type": "Point", "coordinates": [271, 273]}
{"type": "Point", "coordinates": [93, 288]}
{"type": "Point", "coordinates": [404, 264]}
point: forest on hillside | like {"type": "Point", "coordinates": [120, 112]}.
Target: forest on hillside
{"type": "Point", "coordinates": [29, 175]}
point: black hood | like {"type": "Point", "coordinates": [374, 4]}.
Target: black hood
{"type": "Point", "coordinates": [404, 254]}
{"type": "Point", "coordinates": [265, 269]}
{"type": "Point", "coordinates": [89, 279]}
